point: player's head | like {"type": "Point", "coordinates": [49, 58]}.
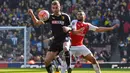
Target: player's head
{"type": "Point", "coordinates": [55, 6]}
{"type": "Point", "coordinates": [81, 15]}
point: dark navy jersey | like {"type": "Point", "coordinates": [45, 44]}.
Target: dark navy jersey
{"type": "Point", "coordinates": [57, 22]}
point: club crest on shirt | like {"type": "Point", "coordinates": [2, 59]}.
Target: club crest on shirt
{"type": "Point", "coordinates": [62, 17]}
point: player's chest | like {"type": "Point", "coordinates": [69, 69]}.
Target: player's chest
{"type": "Point", "coordinates": [80, 25]}
{"type": "Point", "coordinates": [57, 20]}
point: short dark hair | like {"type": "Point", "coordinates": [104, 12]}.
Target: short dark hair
{"type": "Point", "coordinates": [80, 10]}
{"type": "Point", "coordinates": [55, 2]}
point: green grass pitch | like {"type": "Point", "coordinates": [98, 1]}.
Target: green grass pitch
{"type": "Point", "coordinates": [79, 70]}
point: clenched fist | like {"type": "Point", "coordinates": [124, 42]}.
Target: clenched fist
{"type": "Point", "coordinates": [30, 11]}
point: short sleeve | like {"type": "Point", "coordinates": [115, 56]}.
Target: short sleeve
{"type": "Point", "coordinates": [67, 19]}
{"type": "Point", "coordinates": [92, 27]}
{"type": "Point", "coordinates": [73, 24]}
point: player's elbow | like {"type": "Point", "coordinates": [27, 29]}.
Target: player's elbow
{"type": "Point", "coordinates": [98, 30]}
{"type": "Point", "coordinates": [38, 22]}
{"type": "Point", "coordinates": [75, 32]}
{"type": "Point", "coordinates": [35, 22]}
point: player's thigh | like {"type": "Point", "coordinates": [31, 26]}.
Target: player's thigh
{"type": "Point", "coordinates": [73, 50]}
{"type": "Point", "coordinates": [80, 50]}
{"type": "Point", "coordinates": [50, 56]}
{"type": "Point", "coordinates": [84, 50]}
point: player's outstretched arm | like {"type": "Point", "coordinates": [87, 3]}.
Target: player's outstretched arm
{"type": "Point", "coordinates": [103, 29]}
{"type": "Point", "coordinates": [35, 20]}
{"type": "Point", "coordinates": [66, 29]}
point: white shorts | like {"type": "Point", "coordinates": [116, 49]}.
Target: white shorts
{"type": "Point", "coordinates": [79, 50]}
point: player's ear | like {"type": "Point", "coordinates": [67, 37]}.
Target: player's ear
{"type": "Point", "coordinates": [85, 16]}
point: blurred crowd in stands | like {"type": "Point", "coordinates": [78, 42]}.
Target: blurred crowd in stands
{"type": "Point", "coordinates": [11, 45]}
{"type": "Point", "coordinates": [98, 12]}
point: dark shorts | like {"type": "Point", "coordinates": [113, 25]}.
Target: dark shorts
{"type": "Point", "coordinates": [57, 46]}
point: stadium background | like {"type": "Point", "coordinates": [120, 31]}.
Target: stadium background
{"type": "Point", "coordinates": [107, 46]}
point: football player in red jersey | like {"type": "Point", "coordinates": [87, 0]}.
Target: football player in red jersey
{"type": "Point", "coordinates": [79, 29]}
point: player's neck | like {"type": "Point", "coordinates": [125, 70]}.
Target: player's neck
{"type": "Point", "coordinates": [80, 21]}
{"type": "Point", "coordinates": [57, 14]}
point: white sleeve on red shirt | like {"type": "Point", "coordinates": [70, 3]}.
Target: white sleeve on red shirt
{"type": "Point", "coordinates": [92, 27]}
{"type": "Point", "coordinates": [73, 24]}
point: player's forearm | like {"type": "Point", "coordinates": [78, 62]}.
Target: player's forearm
{"type": "Point", "coordinates": [79, 31]}
{"type": "Point", "coordinates": [35, 20]}
{"type": "Point", "coordinates": [103, 29]}
{"type": "Point", "coordinates": [75, 31]}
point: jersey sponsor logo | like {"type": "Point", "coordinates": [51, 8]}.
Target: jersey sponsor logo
{"type": "Point", "coordinates": [58, 22]}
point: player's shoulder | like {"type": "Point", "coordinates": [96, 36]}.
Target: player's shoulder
{"type": "Point", "coordinates": [87, 23]}
{"type": "Point", "coordinates": [74, 21]}
{"type": "Point", "coordinates": [65, 14]}
{"type": "Point", "coordinates": [62, 13]}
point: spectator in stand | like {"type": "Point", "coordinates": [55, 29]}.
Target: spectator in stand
{"type": "Point", "coordinates": [128, 5]}
{"type": "Point", "coordinates": [14, 40]}
{"type": "Point", "coordinates": [123, 50]}
{"type": "Point", "coordinates": [128, 51]}
{"type": "Point", "coordinates": [128, 38]}
{"type": "Point", "coordinates": [105, 54]}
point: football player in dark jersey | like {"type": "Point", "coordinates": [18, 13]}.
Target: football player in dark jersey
{"type": "Point", "coordinates": [61, 39]}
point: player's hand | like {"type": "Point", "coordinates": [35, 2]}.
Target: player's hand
{"type": "Point", "coordinates": [30, 11]}
{"type": "Point", "coordinates": [115, 26]}
{"type": "Point", "coordinates": [47, 40]}
{"type": "Point", "coordinates": [35, 20]}
{"type": "Point", "coordinates": [79, 31]}
{"type": "Point", "coordinates": [66, 29]}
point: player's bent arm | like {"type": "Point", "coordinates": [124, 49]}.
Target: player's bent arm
{"type": "Point", "coordinates": [77, 31]}
{"type": "Point", "coordinates": [35, 20]}
{"type": "Point", "coordinates": [69, 29]}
